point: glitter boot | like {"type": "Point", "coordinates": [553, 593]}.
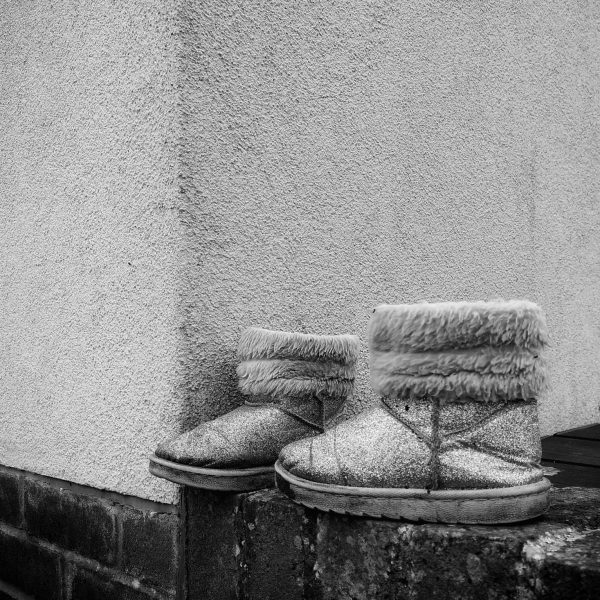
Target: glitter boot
{"type": "Point", "coordinates": [294, 382]}
{"type": "Point", "coordinates": [455, 436]}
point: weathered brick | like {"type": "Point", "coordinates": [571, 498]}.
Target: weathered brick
{"type": "Point", "coordinates": [279, 550]}
{"type": "Point", "coordinates": [9, 498]}
{"type": "Point", "coordinates": [87, 585]}
{"type": "Point", "coordinates": [30, 568]}
{"type": "Point", "coordinates": [150, 546]}
{"type": "Point", "coordinates": [84, 524]}
{"type": "Point", "coordinates": [213, 546]}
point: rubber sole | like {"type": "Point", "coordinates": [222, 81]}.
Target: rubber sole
{"type": "Point", "coordinates": [485, 506]}
{"type": "Point", "coordinates": [223, 480]}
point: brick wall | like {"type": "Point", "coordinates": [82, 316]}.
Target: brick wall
{"type": "Point", "coordinates": [62, 541]}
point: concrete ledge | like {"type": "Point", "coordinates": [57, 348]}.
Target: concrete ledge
{"type": "Point", "coordinates": [269, 547]}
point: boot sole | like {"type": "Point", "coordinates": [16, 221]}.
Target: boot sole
{"type": "Point", "coordinates": [223, 480]}
{"type": "Point", "coordinates": [485, 506]}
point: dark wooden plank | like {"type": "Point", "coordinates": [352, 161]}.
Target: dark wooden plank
{"type": "Point", "coordinates": [569, 450]}
{"type": "Point", "coordinates": [565, 475]}
{"type": "Point", "coordinates": [589, 432]}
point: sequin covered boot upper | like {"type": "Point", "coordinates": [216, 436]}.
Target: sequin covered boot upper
{"type": "Point", "coordinates": [455, 436]}
{"type": "Point", "coordinates": [294, 382]}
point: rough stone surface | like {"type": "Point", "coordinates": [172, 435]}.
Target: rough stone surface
{"type": "Point", "coordinates": [75, 522]}
{"type": "Point", "coordinates": [566, 565]}
{"type": "Point", "coordinates": [267, 547]}
{"type": "Point", "coordinates": [151, 546]}
{"type": "Point", "coordinates": [577, 567]}
{"type": "Point", "coordinates": [364, 559]}
{"type": "Point", "coordinates": [213, 544]}
{"type": "Point", "coordinates": [278, 554]}
{"type": "Point", "coordinates": [175, 171]}
{"type": "Point", "coordinates": [576, 507]}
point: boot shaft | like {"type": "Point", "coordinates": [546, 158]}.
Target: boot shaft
{"type": "Point", "coordinates": [307, 376]}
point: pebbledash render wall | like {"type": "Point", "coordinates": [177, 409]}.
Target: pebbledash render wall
{"type": "Point", "coordinates": [174, 171]}
{"type": "Point", "coordinates": [91, 240]}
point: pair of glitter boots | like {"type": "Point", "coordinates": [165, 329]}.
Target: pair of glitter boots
{"type": "Point", "coordinates": [454, 438]}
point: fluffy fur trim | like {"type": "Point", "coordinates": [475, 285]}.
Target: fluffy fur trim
{"type": "Point", "coordinates": [447, 325]}
{"type": "Point", "coordinates": [485, 360]}
{"type": "Point", "coordinates": [461, 386]}
{"type": "Point", "coordinates": [295, 378]}
{"type": "Point", "coordinates": [256, 343]}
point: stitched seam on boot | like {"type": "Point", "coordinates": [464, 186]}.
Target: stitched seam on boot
{"type": "Point", "coordinates": [418, 432]}
{"type": "Point", "coordinates": [341, 470]}
{"type": "Point", "coordinates": [433, 442]}
{"type": "Point", "coordinates": [211, 427]}
{"type": "Point", "coordinates": [436, 443]}
{"type": "Point", "coordinates": [505, 407]}
{"type": "Point", "coordinates": [265, 403]}
{"type": "Point", "coordinates": [485, 449]}
{"type": "Point", "coordinates": [450, 444]}
{"type": "Point", "coordinates": [299, 418]}
{"type": "Point", "coordinates": [287, 411]}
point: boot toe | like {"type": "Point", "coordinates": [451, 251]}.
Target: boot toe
{"type": "Point", "coordinates": [199, 447]}
{"type": "Point", "coordinates": [313, 459]}
{"type": "Point", "coordinates": [294, 455]}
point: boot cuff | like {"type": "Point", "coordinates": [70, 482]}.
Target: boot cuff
{"type": "Point", "coordinates": [461, 386]}
{"type": "Point", "coordinates": [261, 344]}
{"type": "Point", "coordinates": [297, 379]}
{"type": "Point", "coordinates": [453, 325]}
{"type": "Point", "coordinates": [486, 351]}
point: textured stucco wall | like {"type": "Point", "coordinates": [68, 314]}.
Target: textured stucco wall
{"type": "Point", "coordinates": [89, 240]}
{"type": "Point", "coordinates": [339, 155]}
{"type": "Point", "coordinates": [172, 172]}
